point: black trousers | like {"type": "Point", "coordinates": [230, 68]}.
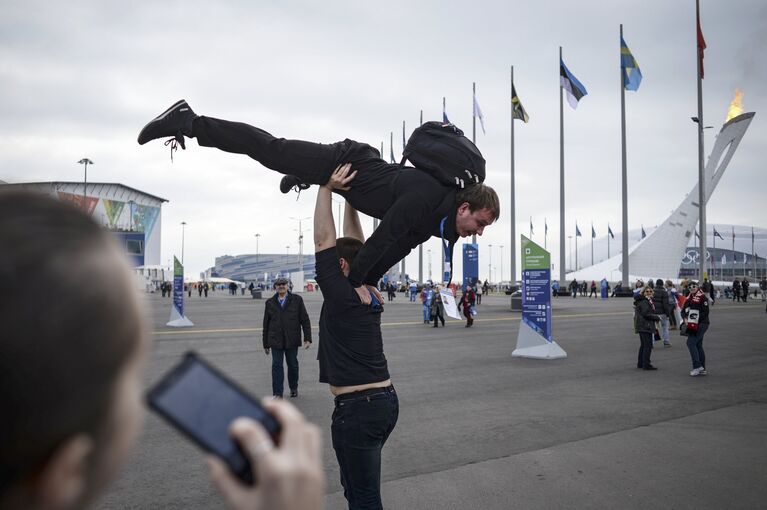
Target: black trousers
{"type": "Point", "coordinates": [313, 163]}
{"type": "Point", "coordinates": [645, 349]}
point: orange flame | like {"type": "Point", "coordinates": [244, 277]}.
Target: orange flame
{"type": "Point", "coordinates": [736, 106]}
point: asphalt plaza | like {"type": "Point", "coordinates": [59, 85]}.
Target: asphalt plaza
{"type": "Point", "coordinates": [480, 429]}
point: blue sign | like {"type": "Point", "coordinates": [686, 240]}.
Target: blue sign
{"type": "Point", "coordinates": [536, 288]}
{"type": "Point", "coordinates": [470, 264]}
{"type": "Point", "coordinates": [178, 287]}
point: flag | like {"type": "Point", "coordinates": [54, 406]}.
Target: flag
{"type": "Point", "coordinates": [701, 41]}
{"type": "Point", "coordinates": [577, 231]}
{"type": "Point", "coordinates": [733, 233]}
{"type": "Point", "coordinates": [696, 234]}
{"type": "Point", "coordinates": [593, 232]}
{"type": "Point", "coordinates": [610, 231]}
{"type": "Point", "coordinates": [445, 120]}
{"type": "Point", "coordinates": [632, 76]}
{"type": "Point", "coordinates": [752, 234]}
{"type": "Point", "coordinates": [545, 227]}
{"type": "Point", "coordinates": [517, 110]}
{"type": "Point", "coordinates": [531, 226]}
{"type": "Point", "coordinates": [575, 90]}
{"type": "Point", "coordinates": [744, 258]}
{"type": "Point", "coordinates": [644, 234]}
{"type": "Point", "coordinates": [478, 113]}
{"type": "Point", "coordinates": [724, 259]}
{"type": "Point", "coordinates": [717, 234]}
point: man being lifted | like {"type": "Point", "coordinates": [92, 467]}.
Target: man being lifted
{"type": "Point", "coordinates": [411, 204]}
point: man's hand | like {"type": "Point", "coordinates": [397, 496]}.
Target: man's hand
{"type": "Point", "coordinates": [307, 344]}
{"type": "Point", "coordinates": [363, 294]}
{"type": "Point", "coordinates": [289, 475]}
{"type": "Point", "coordinates": [376, 293]}
{"type": "Point", "coordinates": [267, 350]}
{"type": "Point", "coordinates": [340, 178]}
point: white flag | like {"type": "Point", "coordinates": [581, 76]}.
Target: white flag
{"type": "Point", "coordinates": [724, 259]}
{"type": "Point", "coordinates": [744, 258]}
{"type": "Point", "coordinates": [478, 113]}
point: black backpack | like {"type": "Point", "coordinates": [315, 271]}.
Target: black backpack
{"type": "Point", "coordinates": [448, 156]}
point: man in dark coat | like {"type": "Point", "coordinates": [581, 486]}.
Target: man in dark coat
{"type": "Point", "coordinates": [412, 205]}
{"type": "Point", "coordinates": [284, 318]}
{"type": "Point", "coordinates": [662, 310]}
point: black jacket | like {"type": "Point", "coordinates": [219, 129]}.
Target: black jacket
{"type": "Point", "coordinates": [282, 326]}
{"type": "Point", "coordinates": [645, 316]}
{"type": "Point", "coordinates": [660, 298]}
{"type": "Point", "coordinates": [416, 206]}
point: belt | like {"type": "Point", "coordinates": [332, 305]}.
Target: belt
{"type": "Point", "coordinates": [365, 394]}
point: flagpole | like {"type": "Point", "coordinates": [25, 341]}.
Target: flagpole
{"type": "Point", "coordinates": [420, 246]}
{"type": "Point", "coordinates": [701, 181]}
{"type": "Point", "coordinates": [562, 275]}
{"type": "Point", "coordinates": [513, 205]}
{"type": "Point", "coordinates": [592, 243]}
{"type": "Point", "coordinates": [545, 234]}
{"type": "Point", "coordinates": [608, 240]}
{"type": "Point", "coordinates": [753, 254]}
{"type": "Point", "coordinates": [713, 266]}
{"type": "Point", "coordinates": [473, 130]}
{"type": "Point", "coordinates": [734, 259]}
{"type": "Point", "coordinates": [576, 245]}
{"type": "Point", "coordinates": [403, 277]}
{"type": "Point", "coordinates": [443, 108]}
{"type": "Point", "coordinates": [624, 187]}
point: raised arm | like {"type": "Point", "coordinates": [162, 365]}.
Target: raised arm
{"type": "Point", "coordinates": [352, 226]}
{"type": "Point", "coordinates": [324, 226]}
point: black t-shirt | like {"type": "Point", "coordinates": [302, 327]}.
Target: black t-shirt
{"type": "Point", "coordinates": [350, 346]}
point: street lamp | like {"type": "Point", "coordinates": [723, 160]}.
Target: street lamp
{"type": "Point", "coordinates": [301, 238]}
{"type": "Point", "coordinates": [490, 262]}
{"type": "Point", "coordinates": [86, 162]}
{"type": "Point", "coordinates": [183, 226]}
{"type": "Point", "coordinates": [501, 262]}
{"type": "Point", "coordinates": [257, 236]}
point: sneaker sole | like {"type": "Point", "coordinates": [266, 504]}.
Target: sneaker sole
{"type": "Point", "coordinates": [159, 117]}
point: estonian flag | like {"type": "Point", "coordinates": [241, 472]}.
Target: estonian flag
{"type": "Point", "coordinates": [478, 114]}
{"type": "Point", "coordinates": [610, 231]}
{"type": "Point", "coordinates": [517, 110]}
{"type": "Point", "coordinates": [717, 234]}
{"type": "Point", "coordinates": [644, 234]}
{"type": "Point", "coordinates": [632, 76]}
{"type": "Point", "coordinates": [575, 89]}
{"type": "Point", "coordinates": [577, 231]}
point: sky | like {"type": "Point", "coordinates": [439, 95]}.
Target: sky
{"type": "Point", "coordinates": [81, 78]}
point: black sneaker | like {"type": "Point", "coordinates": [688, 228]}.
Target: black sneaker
{"type": "Point", "coordinates": [176, 121]}
{"type": "Point", "coordinates": [293, 393]}
{"type": "Point", "coordinates": [290, 182]}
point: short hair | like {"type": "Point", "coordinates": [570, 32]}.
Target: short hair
{"type": "Point", "coordinates": [70, 324]}
{"type": "Point", "coordinates": [647, 287]}
{"type": "Point", "coordinates": [347, 248]}
{"type": "Point", "coordinates": [480, 196]}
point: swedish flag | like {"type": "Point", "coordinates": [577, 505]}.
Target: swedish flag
{"type": "Point", "coordinates": [632, 76]}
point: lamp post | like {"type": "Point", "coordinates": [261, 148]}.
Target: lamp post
{"type": "Point", "coordinates": [257, 236]}
{"type": "Point", "coordinates": [490, 262]}
{"type": "Point", "coordinates": [301, 238]}
{"type": "Point", "coordinates": [501, 262]}
{"type": "Point", "coordinates": [183, 226]}
{"type": "Point", "coordinates": [86, 162]}
{"type": "Point", "coordinates": [429, 253]}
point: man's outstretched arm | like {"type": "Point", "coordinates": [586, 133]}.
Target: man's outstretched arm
{"type": "Point", "coordinates": [324, 226]}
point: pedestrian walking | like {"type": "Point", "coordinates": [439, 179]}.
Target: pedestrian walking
{"type": "Point", "coordinates": [763, 288]}
{"type": "Point", "coordinates": [436, 308]}
{"type": "Point", "coordinates": [593, 289]}
{"type": "Point", "coordinates": [466, 304]}
{"type": "Point", "coordinates": [478, 292]}
{"type": "Point", "coordinates": [744, 289]}
{"type": "Point", "coordinates": [285, 317]}
{"type": "Point", "coordinates": [696, 317]}
{"type": "Point", "coordinates": [427, 294]}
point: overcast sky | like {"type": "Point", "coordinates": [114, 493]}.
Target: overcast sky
{"type": "Point", "coordinates": [80, 79]}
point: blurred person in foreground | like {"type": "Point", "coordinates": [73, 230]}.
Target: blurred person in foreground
{"type": "Point", "coordinates": [71, 365]}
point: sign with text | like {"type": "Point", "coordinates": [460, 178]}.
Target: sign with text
{"type": "Point", "coordinates": [470, 264]}
{"type": "Point", "coordinates": [536, 288]}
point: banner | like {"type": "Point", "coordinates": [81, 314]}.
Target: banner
{"type": "Point", "coordinates": [470, 264]}
{"type": "Point", "coordinates": [177, 317]}
{"type": "Point", "coordinates": [536, 288]}
{"type": "Point", "coordinates": [534, 339]}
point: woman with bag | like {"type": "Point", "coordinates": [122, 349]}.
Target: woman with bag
{"type": "Point", "coordinates": [695, 313]}
{"type": "Point", "coordinates": [467, 305]}
{"type": "Point", "coordinates": [436, 308]}
{"type": "Point", "coordinates": [645, 319]}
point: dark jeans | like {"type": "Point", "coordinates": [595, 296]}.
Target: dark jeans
{"type": "Point", "coordinates": [313, 163]}
{"type": "Point", "coordinates": [645, 349]}
{"type": "Point", "coordinates": [362, 422]}
{"type": "Point", "coordinates": [278, 375]}
{"type": "Point", "coordinates": [695, 345]}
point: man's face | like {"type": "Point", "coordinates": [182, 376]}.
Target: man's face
{"type": "Point", "coordinates": [282, 289]}
{"type": "Point", "coordinates": [468, 223]}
